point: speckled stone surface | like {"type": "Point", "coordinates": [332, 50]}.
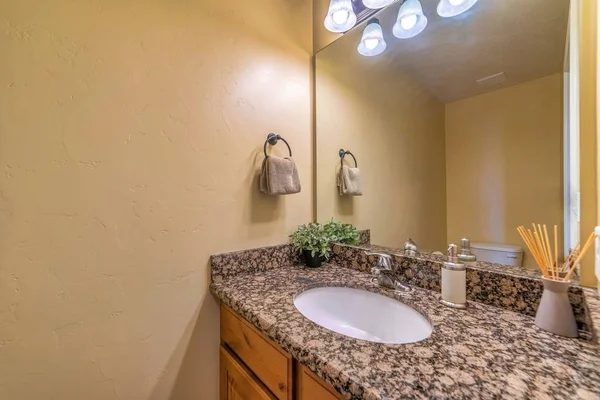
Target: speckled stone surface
{"type": "Point", "coordinates": [227, 265]}
{"type": "Point", "coordinates": [479, 265]}
{"type": "Point", "coordinates": [478, 353]}
{"type": "Point", "coordinates": [365, 237]}
{"type": "Point", "coordinates": [591, 300]}
{"type": "Point", "coordinates": [487, 283]}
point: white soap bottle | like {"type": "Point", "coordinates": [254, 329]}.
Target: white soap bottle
{"type": "Point", "coordinates": [454, 280]}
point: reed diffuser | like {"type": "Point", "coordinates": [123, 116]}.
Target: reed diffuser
{"type": "Point", "coordinates": [554, 313]}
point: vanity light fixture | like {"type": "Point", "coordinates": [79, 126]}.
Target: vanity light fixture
{"type": "Point", "coordinates": [451, 8]}
{"type": "Point", "coordinates": [411, 21]}
{"type": "Point", "coordinates": [340, 16]}
{"type": "Point", "coordinates": [375, 4]}
{"type": "Point", "coordinates": [372, 42]}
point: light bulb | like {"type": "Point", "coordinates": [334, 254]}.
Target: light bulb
{"type": "Point", "coordinates": [341, 16]}
{"type": "Point", "coordinates": [371, 43]}
{"type": "Point", "coordinates": [452, 8]}
{"type": "Point", "coordinates": [408, 22]}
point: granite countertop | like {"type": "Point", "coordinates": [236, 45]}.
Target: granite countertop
{"type": "Point", "coordinates": [481, 352]}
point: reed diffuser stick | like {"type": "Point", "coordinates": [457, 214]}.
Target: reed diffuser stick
{"type": "Point", "coordinates": [530, 244]}
{"type": "Point", "coordinates": [541, 250]}
{"type": "Point", "coordinates": [572, 256]}
{"type": "Point", "coordinates": [541, 247]}
{"type": "Point", "coordinates": [537, 248]}
{"type": "Point", "coordinates": [546, 257]}
{"type": "Point", "coordinates": [544, 235]}
{"type": "Point", "coordinates": [544, 238]}
{"type": "Point", "coordinates": [556, 249]}
{"type": "Point", "coordinates": [588, 243]}
{"type": "Point", "coordinates": [549, 250]}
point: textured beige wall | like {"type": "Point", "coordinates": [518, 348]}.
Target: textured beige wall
{"type": "Point", "coordinates": [504, 162]}
{"type": "Point", "coordinates": [591, 273]}
{"type": "Point", "coordinates": [130, 137]}
{"type": "Point", "coordinates": [396, 131]}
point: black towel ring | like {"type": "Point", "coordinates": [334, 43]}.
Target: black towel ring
{"type": "Point", "coordinates": [272, 140]}
{"type": "Point", "coordinates": [343, 154]}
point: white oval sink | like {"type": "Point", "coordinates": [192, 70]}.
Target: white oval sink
{"type": "Point", "coordinates": [363, 315]}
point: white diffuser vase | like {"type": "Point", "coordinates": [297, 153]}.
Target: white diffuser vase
{"type": "Point", "coordinates": [555, 313]}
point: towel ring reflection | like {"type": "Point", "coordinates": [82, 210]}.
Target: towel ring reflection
{"type": "Point", "coordinates": [343, 154]}
{"type": "Point", "coordinates": [272, 139]}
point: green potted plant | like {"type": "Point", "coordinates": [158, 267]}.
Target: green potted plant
{"type": "Point", "coordinates": [342, 233]}
{"type": "Point", "coordinates": [313, 242]}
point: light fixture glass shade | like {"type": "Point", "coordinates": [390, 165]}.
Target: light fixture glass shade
{"type": "Point", "coordinates": [411, 21]}
{"type": "Point", "coordinates": [340, 16]}
{"type": "Point", "coordinates": [372, 42]}
{"type": "Point", "coordinates": [375, 4]}
{"type": "Point", "coordinates": [451, 8]}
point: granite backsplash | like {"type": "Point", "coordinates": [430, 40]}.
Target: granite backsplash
{"type": "Point", "coordinates": [262, 259]}
{"type": "Point", "coordinates": [365, 237]}
{"type": "Point", "coordinates": [226, 265]}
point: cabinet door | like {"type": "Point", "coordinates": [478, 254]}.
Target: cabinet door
{"type": "Point", "coordinates": [310, 387]}
{"type": "Point", "coordinates": [237, 382]}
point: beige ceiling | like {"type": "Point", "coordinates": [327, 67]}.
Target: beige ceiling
{"type": "Point", "coordinates": [525, 39]}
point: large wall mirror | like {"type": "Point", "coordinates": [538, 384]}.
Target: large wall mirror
{"type": "Point", "coordinates": [460, 130]}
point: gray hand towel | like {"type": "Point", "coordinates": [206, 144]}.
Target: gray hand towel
{"type": "Point", "coordinates": [279, 176]}
{"type": "Point", "coordinates": [349, 181]}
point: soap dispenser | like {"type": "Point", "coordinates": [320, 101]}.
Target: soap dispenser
{"type": "Point", "coordinates": [454, 280]}
{"type": "Point", "coordinates": [410, 248]}
{"type": "Point", "coordinates": [465, 256]}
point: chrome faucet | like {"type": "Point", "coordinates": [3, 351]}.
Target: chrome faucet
{"type": "Point", "coordinates": [383, 273]}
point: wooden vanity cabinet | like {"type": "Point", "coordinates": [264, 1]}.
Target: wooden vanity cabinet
{"type": "Point", "coordinates": [252, 367]}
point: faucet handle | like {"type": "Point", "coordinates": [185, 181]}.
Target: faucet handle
{"type": "Point", "coordinates": [377, 253]}
{"type": "Point", "coordinates": [384, 260]}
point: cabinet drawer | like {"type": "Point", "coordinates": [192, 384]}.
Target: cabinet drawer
{"type": "Point", "coordinates": [237, 382]}
{"type": "Point", "coordinates": [267, 361]}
